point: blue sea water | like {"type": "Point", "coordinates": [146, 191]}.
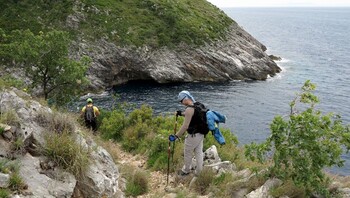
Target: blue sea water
{"type": "Point", "coordinates": [314, 44]}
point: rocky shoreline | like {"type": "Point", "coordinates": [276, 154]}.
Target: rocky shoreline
{"type": "Point", "coordinates": [238, 57]}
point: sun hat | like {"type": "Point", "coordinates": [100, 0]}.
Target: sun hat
{"type": "Point", "coordinates": [183, 95]}
{"type": "Point", "coordinates": [89, 100]}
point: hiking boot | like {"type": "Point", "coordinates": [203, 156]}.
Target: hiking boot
{"type": "Point", "coordinates": [181, 173]}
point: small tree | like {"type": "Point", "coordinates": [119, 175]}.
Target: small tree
{"type": "Point", "coordinates": [304, 144]}
{"type": "Point", "coordinates": [46, 62]}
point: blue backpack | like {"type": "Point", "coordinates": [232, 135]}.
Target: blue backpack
{"type": "Point", "coordinates": [209, 121]}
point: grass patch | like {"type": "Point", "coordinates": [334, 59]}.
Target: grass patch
{"type": "Point", "coordinates": [66, 152]}
{"type": "Point", "coordinates": [2, 130]}
{"type": "Point", "coordinates": [18, 144]}
{"type": "Point", "coordinates": [7, 81]}
{"type": "Point", "coordinates": [56, 122]}
{"type": "Point", "coordinates": [7, 166]}
{"type": "Point", "coordinates": [136, 181]}
{"type": "Point", "coordinates": [16, 182]}
{"type": "Point", "coordinates": [9, 118]}
{"type": "Point", "coordinates": [4, 193]}
{"type": "Point", "coordinates": [184, 193]}
{"type": "Point", "coordinates": [289, 189]}
{"type": "Point", "coordinates": [204, 180]}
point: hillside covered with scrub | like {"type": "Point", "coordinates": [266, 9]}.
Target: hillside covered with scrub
{"type": "Point", "coordinates": [162, 41]}
{"type": "Point", "coordinates": [153, 23]}
{"type": "Point", "coordinates": [52, 52]}
{"type": "Point", "coordinates": [49, 153]}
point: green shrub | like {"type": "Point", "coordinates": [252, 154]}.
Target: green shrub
{"type": "Point", "coordinates": [4, 193]}
{"type": "Point", "coordinates": [112, 125]}
{"type": "Point", "coordinates": [142, 115]}
{"type": "Point", "coordinates": [66, 152]}
{"type": "Point", "coordinates": [134, 135]}
{"type": "Point", "coordinates": [304, 144]}
{"type": "Point", "coordinates": [158, 153]}
{"type": "Point", "coordinates": [137, 184]}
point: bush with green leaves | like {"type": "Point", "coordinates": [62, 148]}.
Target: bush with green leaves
{"type": "Point", "coordinates": [158, 153]}
{"type": "Point", "coordinates": [134, 135]}
{"type": "Point", "coordinates": [304, 143]}
{"type": "Point", "coordinates": [113, 124]}
{"type": "Point", "coordinates": [45, 59]}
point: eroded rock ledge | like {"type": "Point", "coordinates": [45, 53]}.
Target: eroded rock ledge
{"type": "Point", "coordinates": [238, 57]}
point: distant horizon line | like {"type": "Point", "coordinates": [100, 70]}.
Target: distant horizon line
{"type": "Point", "coordinates": [285, 6]}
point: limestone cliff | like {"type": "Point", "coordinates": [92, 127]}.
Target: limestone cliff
{"type": "Point", "coordinates": [239, 57]}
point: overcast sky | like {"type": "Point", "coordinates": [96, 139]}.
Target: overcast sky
{"type": "Point", "coordinates": [280, 3]}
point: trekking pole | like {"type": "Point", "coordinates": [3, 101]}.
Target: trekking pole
{"type": "Point", "coordinates": [167, 176]}
{"type": "Point", "coordinates": [172, 153]}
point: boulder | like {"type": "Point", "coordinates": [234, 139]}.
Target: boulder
{"type": "Point", "coordinates": [5, 148]}
{"type": "Point", "coordinates": [211, 155]}
{"type": "Point", "coordinates": [26, 111]}
{"type": "Point", "coordinates": [345, 192]}
{"type": "Point", "coordinates": [263, 191]}
{"type": "Point", "coordinates": [4, 180]}
{"type": "Point", "coordinates": [222, 167]}
{"type": "Point", "coordinates": [59, 184]}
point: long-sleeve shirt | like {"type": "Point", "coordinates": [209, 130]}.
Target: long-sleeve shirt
{"type": "Point", "coordinates": [189, 112]}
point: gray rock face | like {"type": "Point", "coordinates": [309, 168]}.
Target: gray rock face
{"type": "Point", "coordinates": [40, 185]}
{"type": "Point", "coordinates": [101, 179]}
{"type": "Point", "coordinates": [239, 57]}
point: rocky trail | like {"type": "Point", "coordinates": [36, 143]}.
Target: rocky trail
{"type": "Point", "coordinates": [157, 179]}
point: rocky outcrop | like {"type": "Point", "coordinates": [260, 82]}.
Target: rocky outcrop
{"type": "Point", "coordinates": [56, 183]}
{"type": "Point", "coordinates": [42, 177]}
{"type": "Point", "coordinates": [238, 57]}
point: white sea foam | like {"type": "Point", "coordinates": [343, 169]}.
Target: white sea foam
{"type": "Point", "coordinates": [278, 75]}
{"type": "Point", "coordinates": [284, 60]}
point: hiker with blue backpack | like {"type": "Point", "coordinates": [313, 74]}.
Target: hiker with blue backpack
{"type": "Point", "coordinates": [194, 139]}
{"type": "Point", "coordinates": [198, 122]}
{"type": "Point", "coordinates": [90, 113]}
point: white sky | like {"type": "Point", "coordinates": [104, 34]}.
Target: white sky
{"type": "Point", "coordinates": [280, 3]}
